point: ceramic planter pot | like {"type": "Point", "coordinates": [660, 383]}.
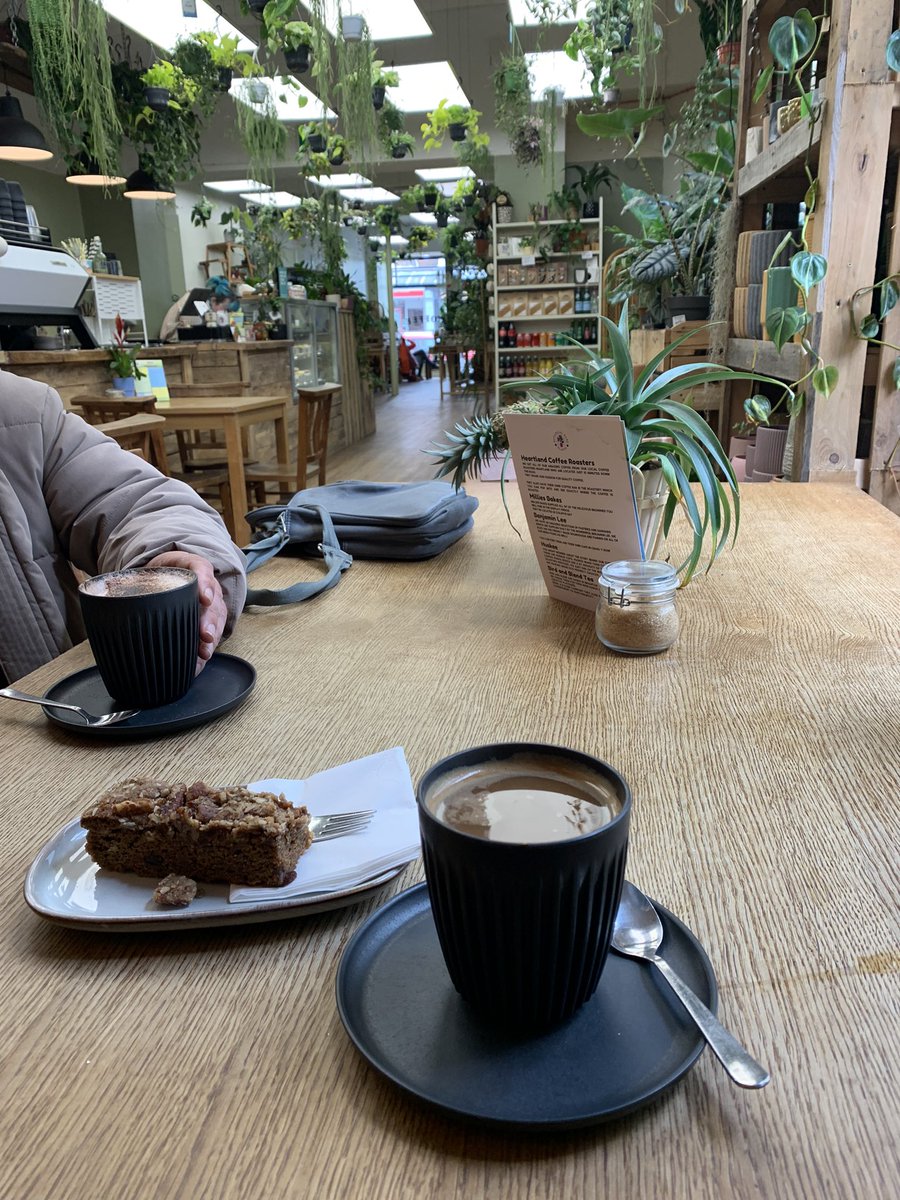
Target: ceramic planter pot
{"type": "Point", "coordinates": [737, 447]}
{"type": "Point", "coordinates": [336, 160]}
{"type": "Point", "coordinates": [225, 76]}
{"type": "Point", "coordinates": [297, 60]}
{"type": "Point", "coordinates": [692, 308]}
{"type": "Point", "coordinates": [157, 98]}
{"type": "Point", "coordinates": [257, 6]}
{"type": "Point", "coordinates": [749, 457]}
{"type": "Point", "coordinates": [256, 92]}
{"type": "Point", "coordinates": [378, 94]}
{"type": "Point", "coordinates": [124, 384]}
{"type": "Point", "coordinates": [457, 131]}
{"type": "Point", "coordinates": [398, 152]}
{"type": "Point", "coordinates": [770, 443]}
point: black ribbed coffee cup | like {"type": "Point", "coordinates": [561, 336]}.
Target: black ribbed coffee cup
{"type": "Point", "coordinates": [524, 929]}
{"type": "Point", "coordinates": [145, 641]}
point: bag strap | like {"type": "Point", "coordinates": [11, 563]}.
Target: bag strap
{"type": "Point", "coordinates": [336, 560]}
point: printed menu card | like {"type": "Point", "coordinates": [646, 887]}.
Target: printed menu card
{"type": "Point", "coordinates": [575, 480]}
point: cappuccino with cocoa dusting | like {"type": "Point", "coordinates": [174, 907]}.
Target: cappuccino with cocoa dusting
{"type": "Point", "coordinates": [524, 799]}
{"type": "Point", "coordinates": [138, 581]}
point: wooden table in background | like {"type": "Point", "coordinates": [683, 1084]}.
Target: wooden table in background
{"type": "Point", "coordinates": [762, 750]}
{"type": "Point", "coordinates": [232, 413]}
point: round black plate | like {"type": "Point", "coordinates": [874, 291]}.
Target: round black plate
{"type": "Point", "coordinates": [224, 683]}
{"type": "Point", "coordinates": [628, 1044]}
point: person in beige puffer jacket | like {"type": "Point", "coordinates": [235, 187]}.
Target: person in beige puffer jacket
{"type": "Point", "coordinates": [70, 496]}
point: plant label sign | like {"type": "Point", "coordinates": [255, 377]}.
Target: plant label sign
{"type": "Point", "coordinates": [575, 481]}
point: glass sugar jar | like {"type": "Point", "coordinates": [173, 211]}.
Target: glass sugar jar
{"type": "Point", "coordinates": [636, 613]}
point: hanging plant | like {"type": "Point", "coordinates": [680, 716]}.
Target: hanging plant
{"type": "Point", "coordinates": [401, 144]}
{"type": "Point", "coordinates": [381, 81]}
{"type": "Point", "coordinates": [224, 58]}
{"type": "Point", "coordinates": [263, 135]}
{"type": "Point", "coordinates": [512, 94]}
{"type": "Point", "coordinates": [167, 142]}
{"type": "Point", "coordinates": [390, 121]}
{"type": "Point", "coordinates": [73, 79]}
{"type": "Point", "coordinates": [161, 80]}
{"type": "Point", "coordinates": [355, 63]}
{"type": "Point", "coordinates": [201, 213]}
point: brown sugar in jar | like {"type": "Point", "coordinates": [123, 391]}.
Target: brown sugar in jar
{"type": "Point", "coordinates": [636, 613]}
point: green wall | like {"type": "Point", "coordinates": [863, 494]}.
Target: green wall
{"type": "Point", "coordinates": [56, 202]}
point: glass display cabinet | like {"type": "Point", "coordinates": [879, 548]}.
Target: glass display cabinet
{"type": "Point", "coordinates": [312, 326]}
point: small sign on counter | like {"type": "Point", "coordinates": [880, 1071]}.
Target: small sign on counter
{"type": "Point", "coordinates": [575, 481]}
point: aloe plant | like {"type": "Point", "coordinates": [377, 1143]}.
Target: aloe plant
{"type": "Point", "coordinates": [660, 432]}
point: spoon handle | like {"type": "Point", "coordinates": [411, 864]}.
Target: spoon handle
{"type": "Point", "coordinates": [742, 1067]}
{"type": "Point", "coordinates": [10, 693]}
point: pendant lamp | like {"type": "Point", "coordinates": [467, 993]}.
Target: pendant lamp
{"type": "Point", "coordinates": [20, 141]}
{"type": "Point", "coordinates": [142, 186]}
{"type": "Point", "coordinates": [85, 172]}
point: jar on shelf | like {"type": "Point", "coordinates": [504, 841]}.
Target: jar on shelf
{"type": "Point", "coordinates": [636, 613]}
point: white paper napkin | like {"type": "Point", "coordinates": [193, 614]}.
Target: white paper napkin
{"type": "Point", "coordinates": [380, 782]}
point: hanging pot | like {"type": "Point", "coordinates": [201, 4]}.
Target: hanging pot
{"type": "Point", "coordinates": [431, 196]}
{"type": "Point", "coordinates": [336, 160]}
{"type": "Point", "coordinates": [225, 76]}
{"type": "Point", "coordinates": [353, 28]}
{"type": "Point", "coordinates": [610, 95]}
{"type": "Point", "coordinates": [297, 60]}
{"type": "Point", "coordinates": [469, 201]}
{"type": "Point", "coordinates": [257, 6]}
{"type": "Point", "coordinates": [728, 54]}
{"type": "Point", "coordinates": [442, 219]}
{"type": "Point", "coordinates": [378, 94]}
{"type": "Point", "coordinates": [457, 131]}
{"type": "Point", "coordinates": [317, 143]}
{"type": "Point", "coordinates": [157, 98]}
{"type": "Point", "coordinates": [255, 92]}
{"type": "Point", "coordinates": [590, 210]}
{"type": "Point", "coordinates": [398, 152]}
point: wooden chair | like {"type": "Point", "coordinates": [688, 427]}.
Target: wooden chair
{"type": "Point", "coordinates": [194, 446]}
{"type": "Point", "coordinates": [113, 410]}
{"type": "Point", "coordinates": [135, 433]}
{"type": "Point", "coordinates": [313, 419]}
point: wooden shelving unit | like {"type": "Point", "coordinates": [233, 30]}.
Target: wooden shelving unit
{"type": "Point", "coordinates": [847, 150]}
{"type": "Point", "coordinates": [592, 259]}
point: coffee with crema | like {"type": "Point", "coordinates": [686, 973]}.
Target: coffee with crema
{"type": "Point", "coordinates": [138, 581]}
{"type": "Point", "coordinates": [523, 799]}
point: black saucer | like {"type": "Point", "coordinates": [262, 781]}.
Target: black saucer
{"type": "Point", "coordinates": [224, 683]}
{"type": "Point", "coordinates": [628, 1044]}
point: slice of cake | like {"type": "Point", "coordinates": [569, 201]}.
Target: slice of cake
{"type": "Point", "coordinates": [217, 835]}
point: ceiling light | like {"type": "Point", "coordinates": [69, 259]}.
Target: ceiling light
{"type": "Point", "coordinates": [236, 185]}
{"type": "Point", "coordinates": [85, 172]}
{"type": "Point", "coordinates": [444, 174]}
{"type": "Point", "coordinates": [424, 85]}
{"type": "Point", "coordinates": [387, 22]}
{"type": "Point", "coordinates": [284, 98]}
{"type": "Point", "coordinates": [423, 218]}
{"type": "Point", "coordinates": [141, 186]}
{"type": "Point", "coordinates": [351, 179]}
{"type": "Point", "coordinates": [396, 240]}
{"type": "Point", "coordinates": [554, 69]}
{"type": "Point", "coordinates": [163, 22]}
{"type": "Point", "coordinates": [370, 195]}
{"type": "Point", "coordinates": [272, 199]}
{"type": "Point", "coordinates": [520, 14]}
{"type": "Point", "coordinates": [20, 141]}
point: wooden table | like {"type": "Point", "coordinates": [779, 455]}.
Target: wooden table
{"type": "Point", "coordinates": [232, 413]}
{"type": "Point", "coordinates": [762, 751]}
{"type": "Point", "coordinates": [142, 432]}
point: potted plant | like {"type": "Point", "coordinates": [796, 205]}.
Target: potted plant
{"type": "Point", "coordinates": [225, 56]}
{"type": "Point", "coordinates": [442, 214]}
{"type": "Point", "coordinates": [297, 39]}
{"type": "Point", "coordinates": [353, 28]}
{"type": "Point", "coordinates": [401, 143]}
{"type": "Point", "coordinates": [565, 204]}
{"type": "Point", "coordinates": [456, 120]}
{"type": "Point", "coordinates": [413, 198]}
{"type": "Point", "coordinates": [201, 213]}
{"type": "Point", "coordinates": [381, 81]}
{"type": "Point", "coordinates": [160, 81]}
{"type": "Point", "coordinates": [667, 442]}
{"type": "Point", "coordinates": [418, 238]}
{"type": "Point", "coordinates": [337, 150]}
{"type": "Point", "coordinates": [590, 181]}
{"type": "Point", "coordinates": [315, 140]}
{"type": "Point", "coordinates": [122, 364]}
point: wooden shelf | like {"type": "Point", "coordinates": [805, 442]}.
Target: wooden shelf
{"type": "Point", "coordinates": [748, 354]}
{"type": "Point", "coordinates": [551, 254]}
{"type": "Point", "coordinates": [779, 158]}
{"type": "Point", "coordinates": [549, 317]}
{"type": "Point", "coordinates": [544, 287]}
{"type": "Point", "coordinates": [531, 224]}
{"type": "Point", "coordinates": [548, 350]}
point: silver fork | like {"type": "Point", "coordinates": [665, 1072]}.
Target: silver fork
{"type": "Point", "coordinates": [89, 718]}
{"type": "Point", "coordinates": [338, 825]}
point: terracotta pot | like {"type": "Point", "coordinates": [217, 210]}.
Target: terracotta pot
{"type": "Point", "coordinates": [729, 54]}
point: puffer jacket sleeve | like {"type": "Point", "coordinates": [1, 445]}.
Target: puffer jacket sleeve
{"type": "Point", "coordinates": [113, 510]}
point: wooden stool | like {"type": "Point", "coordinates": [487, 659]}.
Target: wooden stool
{"type": "Point", "coordinates": [100, 410]}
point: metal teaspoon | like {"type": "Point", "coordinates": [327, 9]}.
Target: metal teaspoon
{"type": "Point", "coordinates": [638, 932]}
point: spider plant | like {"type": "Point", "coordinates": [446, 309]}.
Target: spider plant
{"type": "Point", "coordinates": [660, 433]}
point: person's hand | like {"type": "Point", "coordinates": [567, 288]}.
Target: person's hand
{"type": "Point", "coordinates": [213, 612]}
